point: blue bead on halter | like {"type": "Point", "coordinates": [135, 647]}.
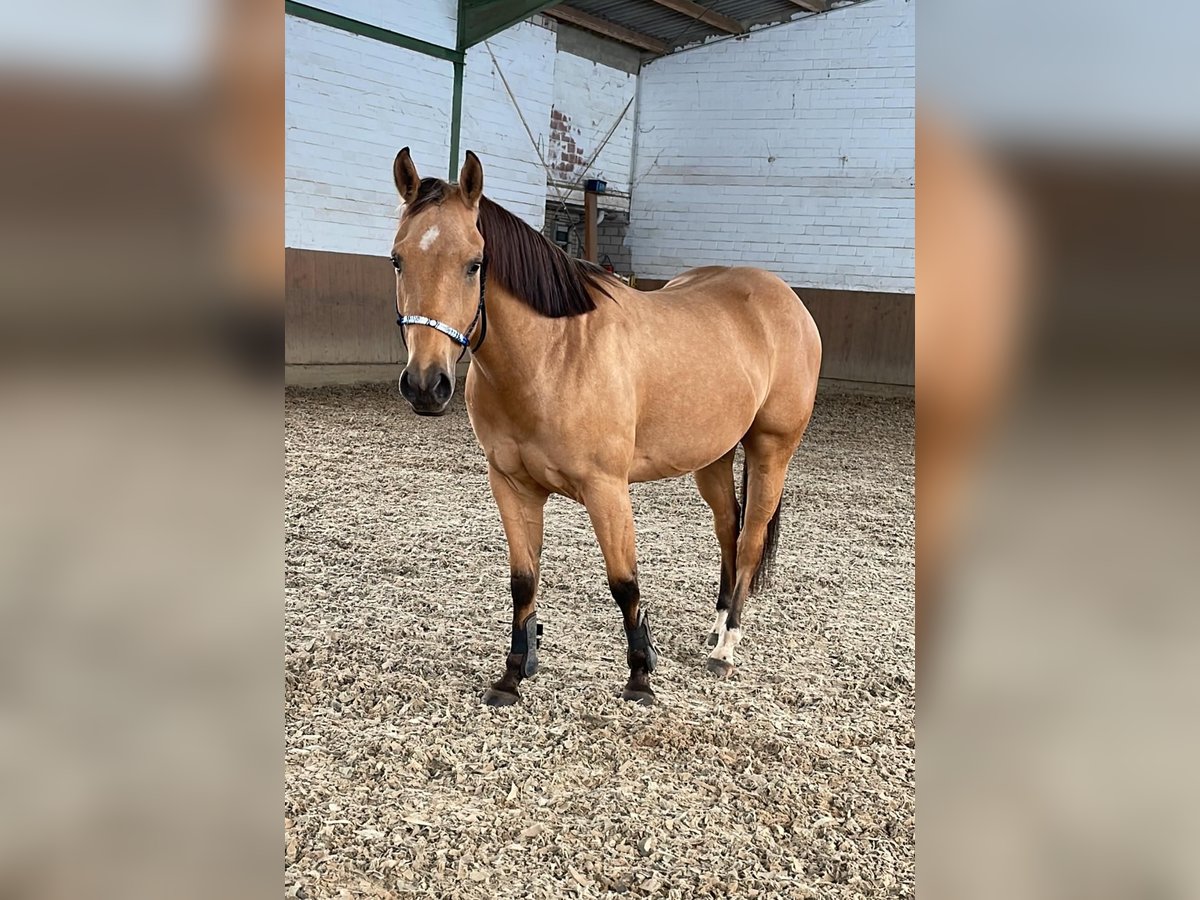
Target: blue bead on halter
{"type": "Point", "coordinates": [460, 338]}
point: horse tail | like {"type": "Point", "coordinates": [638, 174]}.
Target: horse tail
{"type": "Point", "coordinates": [745, 494]}
{"type": "Point", "coordinates": [762, 572]}
{"type": "Point", "coordinates": [762, 575]}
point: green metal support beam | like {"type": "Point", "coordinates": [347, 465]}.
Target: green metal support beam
{"type": "Point", "coordinates": [478, 20]}
{"type": "Point", "coordinates": [363, 29]}
{"type": "Point", "coordinates": [456, 117]}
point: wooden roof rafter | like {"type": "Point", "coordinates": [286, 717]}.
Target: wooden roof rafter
{"type": "Point", "coordinates": [602, 27]}
{"type": "Point", "coordinates": [816, 6]}
{"type": "Point", "coordinates": [702, 14]}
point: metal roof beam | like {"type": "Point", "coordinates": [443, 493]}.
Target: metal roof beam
{"type": "Point", "coordinates": [478, 20]}
{"type": "Point", "coordinates": [580, 19]}
{"type": "Point", "coordinates": [702, 14]}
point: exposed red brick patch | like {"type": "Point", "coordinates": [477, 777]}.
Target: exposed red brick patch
{"type": "Point", "coordinates": [565, 154]}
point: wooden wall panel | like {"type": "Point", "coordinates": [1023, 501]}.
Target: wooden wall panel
{"type": "Point", "coordinates": [340, 310]}
{"type": "Point", "coordinates": [865, 336]}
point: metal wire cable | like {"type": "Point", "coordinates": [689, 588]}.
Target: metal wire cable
{"type": "Point", "coordinates": [520, 115]}
{"type": "Point", "coordinates": [563, 196]}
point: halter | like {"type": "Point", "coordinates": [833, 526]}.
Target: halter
{"type": "Point", "coordinates": [459, 337]}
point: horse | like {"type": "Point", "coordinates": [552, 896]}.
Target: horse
{"type": "Point", "coordinates": [579, 385]}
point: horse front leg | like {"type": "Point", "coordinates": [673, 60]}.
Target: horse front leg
{"type": "Point", "coordinates": [521, 506]}
{"type": "Point", "coordinates": [609, 509]}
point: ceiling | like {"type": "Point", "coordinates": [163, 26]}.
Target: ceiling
{"type": "Point", "coordinates": [663, 26]}
{"type": "Point", "coordinates": [656, 27]}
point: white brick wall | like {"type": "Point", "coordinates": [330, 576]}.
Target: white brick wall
{"type": "Point", "coordinates": [830, 98]}
{"type": "Point", "coordinates": [791, 150]}
{"type": "Point", "coordinates": [352, 102]}
{"type": "Point", "coordinates": [590, 96]}
{"type": "Point", "coordinates": [513, 174]}
{"type": "Point", "coordinates": [435, 21]}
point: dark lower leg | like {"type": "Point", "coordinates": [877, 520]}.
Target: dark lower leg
{"type": "Point", "coordinates": [749, 551]}
{"type": "Point", "coordinates": [521, 507]}
{"type": "Point", "coordinates": [608, 507]}
{"type": "Point", "coordinates": [724, 602]}
{"type": "Point", "coordinates": [521, 661]}
{"type": "Point", "coordinates": [641, 654]}
{"type": "Point", "coordinates": [725, 589]}
{"type": "Point", "coordinates": [727, 536]}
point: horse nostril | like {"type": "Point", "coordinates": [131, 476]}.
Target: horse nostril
{"type": "Point", "coordinates": [406, 388]}
{"type": "Point", "coordinates": [426, 390]}
{"type": "Point", "coordinates": [443, 389]}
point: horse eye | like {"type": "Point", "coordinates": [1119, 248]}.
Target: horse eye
{"type": "Point", "coordinates": [473, 269]}
{"type": "Point", "coordinates": [398, 263]}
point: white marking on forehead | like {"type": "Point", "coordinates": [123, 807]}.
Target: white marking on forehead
{"type": "Point", "coordinates": [429, 237]}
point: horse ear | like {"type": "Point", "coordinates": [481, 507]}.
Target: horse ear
{"type": "Point", "coordinates": [470, 182]}
{"type": "Point", "coordinates": [408, 182]}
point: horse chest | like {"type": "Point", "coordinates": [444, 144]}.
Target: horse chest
{"type": "Point", "coordinates": [530, 463]}
{"type": "Point", "coordinates": [558, 449]}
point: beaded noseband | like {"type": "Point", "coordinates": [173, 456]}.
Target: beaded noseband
{"type": "Point", "coordinates": [463, 339]}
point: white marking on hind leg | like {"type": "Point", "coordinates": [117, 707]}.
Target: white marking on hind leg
{"type": "Point", "coordinates": [719, 625]}
{"type": "Point", "coordinates": [726, 643]}
{"type": "Point", "coordinates": [429, 237]}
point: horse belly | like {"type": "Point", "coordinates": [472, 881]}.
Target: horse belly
{"type": "Point", "coordinates": [679, 434]}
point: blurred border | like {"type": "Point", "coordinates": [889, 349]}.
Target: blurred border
{"type": "Point", "coordinates": [141, 252]}
{"type": "Point", "coordinates": [1058, 160]}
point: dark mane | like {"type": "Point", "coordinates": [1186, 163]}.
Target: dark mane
{"type": "Point", "coordinates": [523, 261]}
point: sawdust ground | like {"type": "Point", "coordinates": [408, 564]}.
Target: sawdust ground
{"type": "Point", "coordinates": [794, 779]}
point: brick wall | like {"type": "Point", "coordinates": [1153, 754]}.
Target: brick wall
{"type": "Point", "coordinates": [352, 102]}
{"type": "Point", "coordinates": [513, 173]}
{"type": "Point", "coordinates": [435, 21]}
{"type": "Point", "coordinates": [588, 99]}
{"type": "Point", "coordinates": [790, 149]}
{"type": "Point", "coordinates": [611, 240]}
{"type": "Point", "coordinates": [591, 98]}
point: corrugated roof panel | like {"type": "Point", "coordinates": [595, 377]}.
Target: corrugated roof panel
{"type": "Point", "coordinates": [643, 16]}
{"type": "Point", "coordinates": [756, 12]}
{"type": "Point", "coordinates": [676, 29]}
{"type": "Point", "coordinates": [749, 12]}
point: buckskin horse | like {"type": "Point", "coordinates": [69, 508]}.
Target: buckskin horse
{"type": "Point", "coordinates": [580, 385]}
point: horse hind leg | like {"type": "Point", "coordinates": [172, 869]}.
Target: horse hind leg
{"type": "Point", "coordinates": [715, 482]}
{"type": "Point", "coordinates": [766, 464]}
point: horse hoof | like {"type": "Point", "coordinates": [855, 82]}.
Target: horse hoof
{"type": "Point", "coordinates": [640, 696]}
{"type": "Point", "coordinates": [493, 697]}
{"type": "Point", "coordinates": [719, 667]}
{"type": "Point", "coordinates": [712, 639]}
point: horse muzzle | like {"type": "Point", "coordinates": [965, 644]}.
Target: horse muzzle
{"type": "Point", "coordinates": [428, 391]}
